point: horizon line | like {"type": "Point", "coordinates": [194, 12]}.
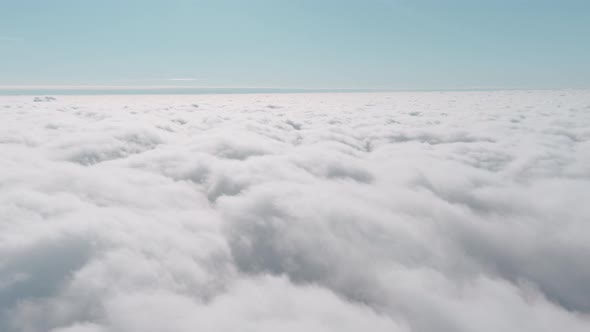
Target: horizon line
{"type": "Point", "coordinates": [184, 89]}
{"type": "Point", "coordinates": [161, 86]}
{"type": "Point", "coordinates": [164, 86]}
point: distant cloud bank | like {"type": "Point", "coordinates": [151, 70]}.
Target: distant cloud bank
{"type": "Point", "coordinates": [181, 79]}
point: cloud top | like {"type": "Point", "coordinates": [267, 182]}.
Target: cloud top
{"type": "Point", "coordinates": [455, 211]}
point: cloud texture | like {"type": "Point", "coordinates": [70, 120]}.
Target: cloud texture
{"type": "Point", "coordinates": [323, 212]}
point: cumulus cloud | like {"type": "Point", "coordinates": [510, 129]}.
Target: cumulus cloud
{"type": "Point", "coordinates": [455, 211]}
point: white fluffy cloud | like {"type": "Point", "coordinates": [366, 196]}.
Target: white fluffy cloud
{"type": "Point", "coordinates": [322, 212]}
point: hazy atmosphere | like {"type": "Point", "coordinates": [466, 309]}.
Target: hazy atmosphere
{"type": "Point", "coordinates": [381, 165]}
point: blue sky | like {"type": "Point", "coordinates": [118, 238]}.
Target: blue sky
{"type": "Point", "coordinates": [398, 44]}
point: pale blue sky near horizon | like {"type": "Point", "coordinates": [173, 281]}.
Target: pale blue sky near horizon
{"type": "Point", "coordinates": [311, 44]}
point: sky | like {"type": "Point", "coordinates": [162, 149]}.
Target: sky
{"type": "Point", "coordinates": [311, 44]}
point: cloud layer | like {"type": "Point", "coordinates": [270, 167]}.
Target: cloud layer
{"type": "Point", "coordinates": [322, 212]}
